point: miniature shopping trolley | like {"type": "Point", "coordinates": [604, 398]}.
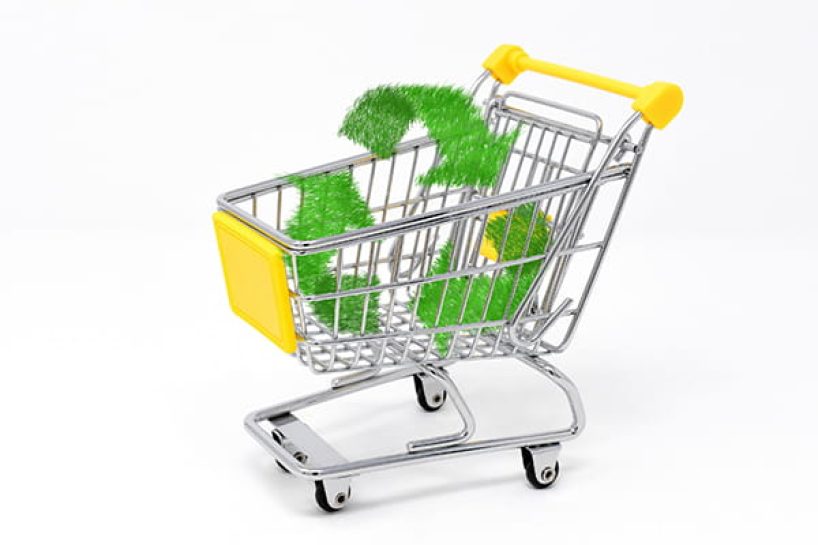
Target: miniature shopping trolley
{"type": "Point", "coordinates": [562, 162]}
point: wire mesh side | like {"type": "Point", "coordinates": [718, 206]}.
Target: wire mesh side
{"type": "Point", "coordinates": [395, 270]}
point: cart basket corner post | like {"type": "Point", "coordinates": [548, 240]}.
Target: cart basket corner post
{"type": "Point", "coordinates": [564, 175]}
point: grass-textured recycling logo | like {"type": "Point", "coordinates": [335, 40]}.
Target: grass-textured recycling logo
{"type": "Point", "coordinates": [469, 155]}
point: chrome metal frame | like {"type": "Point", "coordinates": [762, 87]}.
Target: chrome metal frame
{"type": "Point", "coordinates": [417, 451]}
{"type": "Point", "coordinates": [550, 166]}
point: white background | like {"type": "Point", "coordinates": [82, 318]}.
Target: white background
{"type": "Point", "coordinates": [124, 376]}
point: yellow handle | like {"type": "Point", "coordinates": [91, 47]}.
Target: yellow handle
{"type": "Point", "coordinates": [658, 102]}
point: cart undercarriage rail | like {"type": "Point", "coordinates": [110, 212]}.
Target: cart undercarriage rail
{"type": "Point", "coordinates": [304, 453]}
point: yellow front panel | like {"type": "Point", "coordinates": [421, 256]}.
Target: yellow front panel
{"type": "Point", "coordinates": [256, 280]}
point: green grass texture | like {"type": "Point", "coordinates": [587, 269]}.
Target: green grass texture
{"type": "Point", "coordinates": [469, 154]}
{"type": "Point", "coordinates": [332, 205]}
{"type": "Point", "coordinates": [504, 298]}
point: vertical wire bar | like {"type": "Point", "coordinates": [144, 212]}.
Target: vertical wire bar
{"type": "Point", "coordinates": [497, 118]}
{"type": "Point", "coordinates": [445, 196]}
{"type": "Point", "coordinates": [418, 294]}
{"type": "Point", "coordinates": [301, 312]}
{"type": "Point", "coordinates": [356, 265]}
{"type": "Point", "coordinates": [531, 223]}
{"type": "Point", "coordinates": [417, 241]}
{"type": "Point", "coordinates": [559, 220]}
{"type": "Point", "coordinates": [495, 275]}
{"type": "Point", "coordinates": [278, 209]}
{"type": "Point", "coordinates": [431, 259]}
{"type": "Point", "coordinates": [388, 188]}
{"type": "Point", "coordinates": [409, 185]}
{"type": "Point", "coordinates": [522, 155]}
{"type": "Point", "coordinates": [339, 266]}
{"type": "Point", "coordinates": [359, 345]}
{"type": "Point", "coordinates": [496, 190]}
{"type": "Point", "coordinates": [424, 195]}
{"type": "Point", "coordinates": [445, 286]}
{"type": "Point", "coordinates": [372, 267]}
{"type": "Point", "coordinates": [473, 262]}
{"type": "Point", "coordinates": [581, 224]}
{"type": "Point", "coordinates": [536, 158]}
{"type": "Point", "coordinates": [392, 297]}
{"type": "Point", "coordinates": [472, 243]}
{"type": "Point", "coordinates": [562, 261]}
{"type": "Point", "coordinates": [374, 163]}
{"type": "Point", "coordinates": [457, 247]}
{"type": "Point", "coordinates": [398, 259]}
{"type": "Point", "coordinates": [546, 173]}
{"type": "Point", "coordinates": [547, 207]}
{"type": "Point", "coordinates": [374, 253]}
{"type": "Point", "coordinates": [560, 201]}
{"type": "Point", "coordinates": [368, 205]}
{"type": "Point", "coordinates": [572, 195]}
{"type": "Point", "coordinates": [561, 166]}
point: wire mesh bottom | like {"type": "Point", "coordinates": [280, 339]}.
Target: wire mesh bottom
{"type": "Point", "coordinates": [323, 353]}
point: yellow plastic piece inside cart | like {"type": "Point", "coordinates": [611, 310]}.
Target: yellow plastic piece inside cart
{"type": "Point", "coordinates": [256, 280]}
{"type": "Point", "coordinates": [487, 248]}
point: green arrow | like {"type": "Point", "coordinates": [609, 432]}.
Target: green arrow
{"type": "Point", "coordinates": [469, 153]}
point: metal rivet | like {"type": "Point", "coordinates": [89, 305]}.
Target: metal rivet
{"type": "Point", "coordinates": [548, 475]}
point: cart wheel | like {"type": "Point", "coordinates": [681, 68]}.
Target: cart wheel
{"type": "Point", "coordinates": [542, 478]}
{"type": "Point", "coordinates": [277, 438]}
{"type": "Point", "coordinates": [431, 396]}
{"type": "Point", "coordinates": [330, 505]}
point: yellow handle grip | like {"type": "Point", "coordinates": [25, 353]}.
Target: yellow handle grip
{"type": "Point", "coordinates": [658, 102]}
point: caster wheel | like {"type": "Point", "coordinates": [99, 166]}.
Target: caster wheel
{"type": "Point", "coordinates": [431, 396]}
{"type": "Point", "coordinates": [539, 477]}
{"type": "Point", "coordinates": [330, 504]}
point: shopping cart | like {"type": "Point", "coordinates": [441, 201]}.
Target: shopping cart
{"type": "Point", "coordinates": [562, 162]}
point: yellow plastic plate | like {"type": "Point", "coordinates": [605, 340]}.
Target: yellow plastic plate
{"type": "Point", "coordinates": [256, 280]}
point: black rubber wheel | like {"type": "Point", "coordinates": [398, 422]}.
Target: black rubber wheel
{"type": "Point", "coordinates": [277, 439]}
{"type": "Point", "coordinates": [421, 396]}
{"type": "Point", "coordinates": [539, 481]}
{"type": "Point", "coordinates": [323, 502]}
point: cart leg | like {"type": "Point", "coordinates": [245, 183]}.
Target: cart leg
{"type": "Point", "coordinates": [563, 383]}
{"type": "Point", "coordinates": [540, 461]}
{"type": "Point", "coordinates": [441, 376]}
